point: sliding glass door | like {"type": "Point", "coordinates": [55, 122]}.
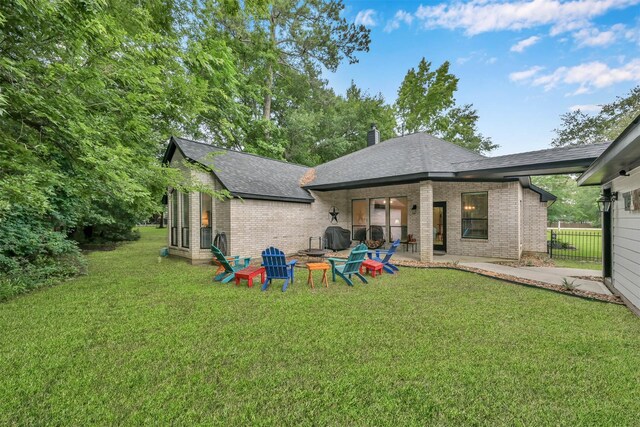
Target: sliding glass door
{"type": "Point", "coordinates": [378, 219]}
{"type": "Point", "coordinates": [398, 218]}
{"type": "Point", "coordinates": [386, 219]}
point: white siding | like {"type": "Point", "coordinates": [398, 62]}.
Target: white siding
{"type": "Point", "coordinates": [626, 241]}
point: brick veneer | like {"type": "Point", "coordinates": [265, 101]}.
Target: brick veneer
{"type": "Point", "coordinates": [534, 223]}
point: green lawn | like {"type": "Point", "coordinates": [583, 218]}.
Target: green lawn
{"type": "Point", "coordinates": [569, 263]}
{"type": "Point", "coordinates": [142, 341]}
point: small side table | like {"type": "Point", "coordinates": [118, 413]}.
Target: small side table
{"type": "Point", "coordinates": [412, 243]}
{"type": "Point", "coordinates": [313, 266]}
{"type": "Point", "coordinates": [372, 267]}
{"type": "Point", "coordinates": [249, 273]}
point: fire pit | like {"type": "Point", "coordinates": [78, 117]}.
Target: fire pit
{"type": "Point", "coordinates": [314, 252]}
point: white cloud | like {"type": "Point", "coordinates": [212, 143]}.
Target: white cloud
{"type": "Point", "coordinates": [477, 57]}
{"type": "Point", "coordinates": [586, 108]}
{"type": "Point", "coordinates": [633, 35]}
{"type": "Point", "coordinates": [593, 37]}
{"type": "Point", "coordinates": [519, 76]}
{"type": "Point", "coordinates": [479, 16]}
{"type": "Point", "coordinates": [588, 76]}
{"type": "Point", "coordinates": [400, 17]}
{"type": "Point", "coordinates": [367, 18]}
{"type": "Point", "coordinates": [523, 44]}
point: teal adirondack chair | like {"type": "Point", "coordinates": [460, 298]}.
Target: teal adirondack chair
{"type": "Point", "coordinates": [351, 266]}
{"type": "Point", "coordinates": [230, 268]}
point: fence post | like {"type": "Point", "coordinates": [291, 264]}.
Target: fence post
{"type": "Point", "coordinates": [554, 237]}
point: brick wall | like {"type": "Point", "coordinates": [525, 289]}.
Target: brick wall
{"type": "Point", "coordinates": [534, 222]}
{"type": "Point", "coordinates": [258, 224]}
{"type": "Point", "coordinates": [504, 219]}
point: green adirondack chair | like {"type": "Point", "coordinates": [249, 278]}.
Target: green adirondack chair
{"type": "Point", "coordinates": [230, 268]}
{"type": "Point", "coordinates": [350, 266]}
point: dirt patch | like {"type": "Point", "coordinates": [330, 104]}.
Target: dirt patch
{"type": "Point", "coordinates": [91, 247]}
{"type": "Point", "coordinates": [529, 260]}
{"type": "Point", "coordinates": [592, 278]}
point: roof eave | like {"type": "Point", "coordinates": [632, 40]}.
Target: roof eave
{"type": "Point", "coordinates": [550, 168]}
{"type": "Point", "coordinates": [622, 154]}
{"type": "Point", "coordinates": [388, 180]}
{"type": "Point", "coordinates": [273, 198]}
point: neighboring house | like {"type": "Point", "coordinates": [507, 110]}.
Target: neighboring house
{"type": "Point", "coordinates": [450, 199]}
{"type": "Point", "coordinates": [617, 170]}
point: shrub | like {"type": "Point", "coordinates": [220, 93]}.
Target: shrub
{"type": "Point", "coordinates": [33, 255]}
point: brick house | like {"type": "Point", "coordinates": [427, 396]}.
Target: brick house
{"type": "Point", "coordinates": [448, 198]}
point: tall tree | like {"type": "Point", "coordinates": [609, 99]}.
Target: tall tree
{"type": "Point", "coordinates": [328, 126]}
{"type": "Point", "coordinates": [276, 39]}
{"type": "Point", "coordinates": [426, 103]}
{"type": "Point", "coordinates": [580, 128]}
{"type": "Point", "coordinates": [90, 89]}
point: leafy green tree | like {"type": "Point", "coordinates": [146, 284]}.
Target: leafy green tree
{"type": "Point", "coordinates": [280, 40]}
{"type": "Point", "coordinates": [574, 204]}
{"type": "Point", "coordinates": [426, 103]}
{"type": "Point", "coordinates": [90, 89]}
{"type": "Point", "coordinates": [580, 128]}
{"type": "Point", "coordinates": [328, 126]}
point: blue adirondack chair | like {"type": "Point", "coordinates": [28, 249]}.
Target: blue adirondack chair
{"type": "Point", "coordinates": [277, 267]}
{"type": "Point", "coordinates": [386, 264]}
{"type": "Point", "coordinates": [351, 266]}
{"type": "Point", "coordinates": [230, 268]}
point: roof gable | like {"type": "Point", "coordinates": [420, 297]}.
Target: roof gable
{"type": "Point", "coordinates": [246, 175]}
{"type": "Point", "coordinates": [404, 156]}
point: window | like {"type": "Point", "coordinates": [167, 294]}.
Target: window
{"type": "Point", "coordinates": [185, 220]}
{"type": "Point", "coordinates": [378, 219]}
{"type": "Point", "coordinates": [398, 218]}
{"type": "Point", "coordinates": [205, 221]}
{"type": "Point", "coordinates": [475, 215]}
{"type": "Point", "coordinates": [359, 220]}
{"type": "Point", "coordinates": [174, 218]}
{"type": "Point", "coordinates": [387, 219]}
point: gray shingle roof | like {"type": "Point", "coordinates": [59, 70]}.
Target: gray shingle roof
{"type": "Point", "coordinates": [414, 154]}
{"type": "Point", "coordinates": [533, 158]}
{"type": "Point", "coordinates": [247, 175]}
{"type": "Point", "coordinates": [409, 158]}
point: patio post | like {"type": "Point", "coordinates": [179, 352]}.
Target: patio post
{"type": "Point", "coordinates": [426, 221]}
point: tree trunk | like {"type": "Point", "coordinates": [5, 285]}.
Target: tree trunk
{"type": "Point", "coordinates": [267, 94]}
{"type": "Point", "coordinates": [266, 113]}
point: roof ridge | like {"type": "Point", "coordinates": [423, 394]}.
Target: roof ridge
{"type": "Point", "coordinates": [540, 151]}
{"type": "Point", "coordinates": [240, 152]}
{"type": "Point", "coordinates": [456, 145]}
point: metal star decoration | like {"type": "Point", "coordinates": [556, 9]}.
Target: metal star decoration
{"type": "Point", "coordinates": [334, 214]}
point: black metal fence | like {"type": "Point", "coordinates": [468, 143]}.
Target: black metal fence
{"type": "Point", "coordinates": [579, 245]}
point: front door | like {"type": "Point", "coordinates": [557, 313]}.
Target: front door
{"type": "Point", "coordinates": [440, 226]}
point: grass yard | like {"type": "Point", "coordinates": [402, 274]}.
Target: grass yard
{"type": "Point", "coordinates": [570, 263]}
{"type": "Point", "coordinates": [142, 341]}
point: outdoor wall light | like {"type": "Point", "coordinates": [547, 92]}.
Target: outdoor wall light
{"type": "Point", "coordinates": [414, 209]}
{"type": "Point", "coordinates": [604, 202]}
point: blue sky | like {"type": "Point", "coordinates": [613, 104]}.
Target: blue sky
{"type": "Point", "coordinates": [521, 64]}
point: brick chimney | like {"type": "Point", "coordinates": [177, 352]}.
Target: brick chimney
{"type": "Point", "coordinates": [373, 136]}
